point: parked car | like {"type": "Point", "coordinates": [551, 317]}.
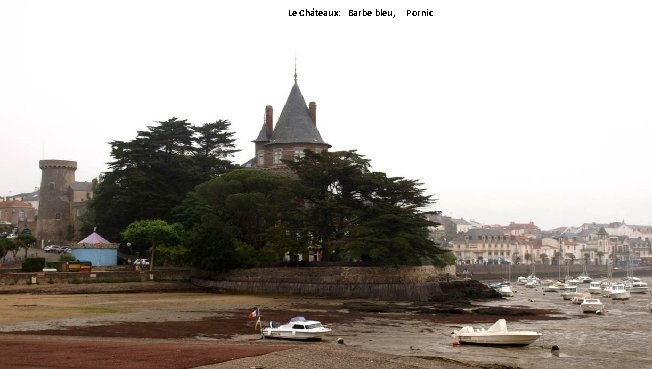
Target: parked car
{"type": "Point", "coordinates": [141, 262]}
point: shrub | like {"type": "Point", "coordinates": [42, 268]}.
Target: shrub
{"type": "Point", "coordinates": [33, 264]}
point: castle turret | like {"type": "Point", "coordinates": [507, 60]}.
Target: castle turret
{"type": "Point", "coordinates": [54, 216]}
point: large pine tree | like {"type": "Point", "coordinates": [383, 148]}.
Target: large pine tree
{"type": "Point", "coordinates": [153, 173]}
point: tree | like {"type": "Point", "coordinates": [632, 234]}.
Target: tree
{"type": "Point", "coordinates": [235, 212]}
{"type": "Point", "coordinates": [586, 258]}
{"type": "Point", "coordinates": [527, 257]}
{"type": "Point", "coordinates": [150, 234]}
{"type": "Point", "coordinates": [25, 240]}
{"type": "Point", "coordinates": [154, 172]}
{"type": "Point", "coordinates": [351, 213]}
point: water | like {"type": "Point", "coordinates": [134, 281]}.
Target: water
{"type": "Point", "coordinates": [621, 338]}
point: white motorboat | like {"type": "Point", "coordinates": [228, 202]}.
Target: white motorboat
{"type": "Point", "coordinates": [635, 285]}
{"type": "Point", "coordinates": [618, 292]}
{"type": "Point", "coordinates": [503, 288]}
{"type": "Point", "coordinates": [551, 288]}
{"type": "Point", "coordinates": [584, 278]}
{"type": "Point", "coordinates": [497, 334]}
{"type": "Point", "coordinates": [580, 299]}
{"type": "Point", "coordinates": [521, 280]}
{"type": "Point", "coordinates": [298, 328]}
{"type": "Point", "coordinates": [591, 305]}
{"type": "Point", "coordinates": [569, 292]}
{"type": "Point", "coordinates": [595, 288]}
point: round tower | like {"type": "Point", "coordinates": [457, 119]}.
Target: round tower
{"type": "Point", "coordinates": [54, 199]}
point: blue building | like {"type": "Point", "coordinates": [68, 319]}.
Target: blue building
{"type": "Point", "coordinates": [97, 250]}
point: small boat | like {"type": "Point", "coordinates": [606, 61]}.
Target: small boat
{"type": "Point", "coordinates": [595, 288]}
{"type": "Point", "coordinates": [551, 288]}
{"type": "Point", "coordinates": [580, 299]}
{"type": "Point", "coordinates": [584, 278]}
{"type": "Point", "coordinates": [649, 306]}
{"type": "Point", "coordinates": [618, 292]}
{"type": "Point", "coordinates": [497, 334]}
{"type": "Point", "coordinates": [503, 288]}
{"type": "Point", "coordinates": [298, 328]}
{"type": "Point", "coordinates": [591, 305]}
{"type": "Point", "coordinates": [635, 285]}
{"type": "Point", "coordinates": [569, 292]}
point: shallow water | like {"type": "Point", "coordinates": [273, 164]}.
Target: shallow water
{"type": "Point", "coordinates": [620, 338]}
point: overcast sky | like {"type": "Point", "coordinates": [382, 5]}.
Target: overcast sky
{"type": "Point", "coordinates": [505, 110]}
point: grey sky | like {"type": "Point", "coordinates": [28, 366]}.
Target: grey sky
{"type": "Point", "coordinates": [506, 111]}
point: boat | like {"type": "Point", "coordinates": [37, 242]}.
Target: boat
{"type": "Point", "coordinates": [617, 292]}
{"type": "Point", "coordinates": [591, 305]}
{"type": "Point", "coordinates": [637, 287]}
{"type": "Point", "coordinates": [298, 328]}
{"type": "Point", "coordinates": [595, 288]}
{"type": "Point", "coordinates": [505, 290]}
{"type": "Point", "coordinates": [497, 334]}
{"type": "Point", "coordinates": [580, 299]}
{"type": "Point", "coordinates": [551, 288]}
{"type": "Point", "coordinates": [649, 306]}
{"type": "Point", "coordinates": [569, 292]}
{"type": "Point", "coordinates": [584, 277]}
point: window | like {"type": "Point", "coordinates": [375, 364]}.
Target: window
{"type": "Point", "coordinates": [299, 153]}
{"type": "Point", "coordinates": [261, 159]}
{"type": "Point", "coordinates": [278, 155]}
{"type": "Point", "coordinates": [57, 216]}
{"type": "Point", "coordinates": [51, 186]}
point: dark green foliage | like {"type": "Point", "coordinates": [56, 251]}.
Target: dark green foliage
{"type": "Point", "coordinates": [154, 172]}
{"type": "Point", "coordinates": [230, 217]}
{"type": "Point", "coordinates": [353, 214]}
{"type": "Point", "coordinates": [33, 265]}
{"type": "Point", "coordinates": [334, 205]}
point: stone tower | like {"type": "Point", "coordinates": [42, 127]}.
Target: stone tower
{"type": "Point", "coordinates": [54, 216]}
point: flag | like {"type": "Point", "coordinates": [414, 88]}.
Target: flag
{"type": "Point", "coordinates": [254, 313]}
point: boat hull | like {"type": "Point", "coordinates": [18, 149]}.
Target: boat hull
{"type": "Point", "coordinates": [294, 335]}
{"type": "Point", "coordinates": [508, 339]}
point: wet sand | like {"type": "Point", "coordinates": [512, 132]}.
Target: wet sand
{"type": "Point", "coordinates": [132, 330]}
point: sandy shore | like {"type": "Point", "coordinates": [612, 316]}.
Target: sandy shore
{"type": "Point", "coordinates": [173, 330]}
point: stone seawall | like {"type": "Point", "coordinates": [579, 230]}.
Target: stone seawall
{"type": "Point", "coordinates": [423, 283]}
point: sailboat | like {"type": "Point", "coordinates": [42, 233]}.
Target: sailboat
{"type": "Point", "coordinates": [584, 277]}
{"type": "Point", "coordinates": [614, 290]}
{"type": "Point", "coordinates": [634, 284]}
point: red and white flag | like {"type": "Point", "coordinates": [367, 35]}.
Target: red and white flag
{"type": "Point", "coordinates": [254, 313]}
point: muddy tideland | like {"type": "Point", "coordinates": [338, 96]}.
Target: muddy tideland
{"type": "Point", "coordinates": [174, 329]}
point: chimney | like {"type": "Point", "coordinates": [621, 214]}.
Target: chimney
{"type": "Point", "coordinates": [269, 120]}
{"type": "Point", "coordinates": [312, 109]}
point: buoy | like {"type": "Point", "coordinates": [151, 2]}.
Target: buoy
{"type": "Point", "coordinates": [456, 343]}
{"type": "Point", "coordinates": [340, 340]}
{"type": "Point", "coordinates": [554, 348]}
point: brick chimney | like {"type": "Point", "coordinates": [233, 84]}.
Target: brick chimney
{"type": "Point", "coordinates": [269, 120]}
{"type": "Point", "coordinates": [312, 109]}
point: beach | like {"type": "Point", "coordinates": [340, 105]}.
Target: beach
{"type": "Point", "coordinates": [211, 330]}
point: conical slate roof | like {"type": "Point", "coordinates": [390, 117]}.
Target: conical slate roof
{"type": "Point", "coordinates": [295, 124]}
{"type": "Point", "coordinates": [262, 136]}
